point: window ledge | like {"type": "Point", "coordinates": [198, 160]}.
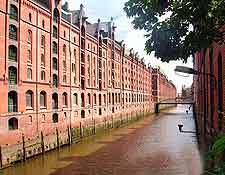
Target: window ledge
{"type": "Point", "coordinates": [29, 108]}
{"type": "Point", "coordinates": [43, 107]}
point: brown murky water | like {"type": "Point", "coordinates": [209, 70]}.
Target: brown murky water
{"type": "Point", "coordinates": [153, 146]}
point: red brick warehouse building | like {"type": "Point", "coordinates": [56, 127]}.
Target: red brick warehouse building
{"type": "Point", "coordinates": [209, 89]}
{"type": "Point", "coordinates": [162, 88]}
{"type": "Point", "coordinates": [58, 70]}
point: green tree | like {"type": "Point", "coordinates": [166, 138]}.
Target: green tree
{"type": "Point", "coordinates": [176, 29]}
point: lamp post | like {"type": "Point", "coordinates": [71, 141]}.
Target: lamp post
{"type": "Point", "coordinates": [188, 70]}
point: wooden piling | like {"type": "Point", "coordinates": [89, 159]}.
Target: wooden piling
{"type": "Point", "coordinates": [0, 156]}
{"type": "Point", "coordinates": [42, 143]}
{"type": "Point", "coordinates": [24, 149]}
{"type": "Point", "coordinates": [57, 137]}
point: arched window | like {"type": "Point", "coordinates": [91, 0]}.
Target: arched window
{"type": "Point", "coordinates": [43, 41]}
{"type": "Point", "coordinates": [54, 47]}
{"type": "Point", "coordinates": [12, 75]}
{"type": "Point", "coordinates": [82, 114]}
{"type": "Point", "coordinates": [55, 33]}
{"type": "Point", "coordinates": [100, 99]}
{"type": "Point", "coordinates": [29, 36]}
{"type": "Point", "coordinates": [29, 74]}
{"type": "Point", "coordinates": [64, 50]}
{"type": "Point", "coordinates": [104, 96]}
{"type": "Point", "coordinates": [82, 31]}
{"type": "Point", "coordinates": [42, 59]}
{"type": "Point", "coordinates": [43, 99]}
{"type": "Point", "coordinates": [12, 32]}
{"type": "Point", "coordinates": [30, 119]}
{"type": "Point", "coordinates": [64, 78]}
{"type": "Point", "coordinates": [55, 65]}
{"type": "Point", "coordinates": [109, 98]}
{"type": "Point", "coordinates": [55, 80]}
{"type": "Point", "coordinates": [30, 17]}
{"type": "Point", "coordinates": [55, 118]}
{"type": "Point", "coordinates": [12, 101]}
{"type": "Point", "coordinates": [29, 99]}
{"type": "Point", "coordinates": [13, 124]}
{"type": "Point", "coordinates": [64, 99]}
{"type": "Point", "coordinates": [95, 99]}
{"type": "Point", "coordinates": [56, 15]}
{"type": "Point", "coordinates": [29, 57]}
{"type": "Point", "coordinates": [43, 23]}
{"type": "Point", "coordinates": [55, 101]}
{"type": "Point", "coordinates": [12, 53]}
{"type": "Point", "coordinates": [89, 98]}
{"type": "Point", "coordinates": [43, 75]}
{"type": "Point", "coordinates": [13, 12]}
{"type": "Point", "coordinates": [75, 100]}
{"type": "Point", "coordinates": [82, 100]}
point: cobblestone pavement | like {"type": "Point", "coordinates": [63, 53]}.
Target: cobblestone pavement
{"type": "Point", "coordinates": [150, 147]}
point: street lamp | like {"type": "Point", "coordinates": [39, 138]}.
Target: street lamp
{"type": "Point", "coordinates": [189, 70]}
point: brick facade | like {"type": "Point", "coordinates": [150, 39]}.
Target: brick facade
{"type": "Point", "coordinates": [209, 89]}
{"type": "Point", "coordinates": [58, 70]}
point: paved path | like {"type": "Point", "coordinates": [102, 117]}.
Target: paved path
{"type": "Point", "coordinates": [150, 147]}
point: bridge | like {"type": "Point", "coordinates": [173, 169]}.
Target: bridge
{"type": "Point", "coordinates": [178, 100]}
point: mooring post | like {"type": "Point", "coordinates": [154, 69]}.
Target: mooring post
{"type": "Point", "coordinates": [42, 143]}
{"type": "Point", "coordinates": [24, 149]}
{"type": "Point", "coordinates": [80, 130]}
{"type": "Point", "coordinates": [57, 137]}
{"type": "Point", "coordinates": [94, 127]}
{"type": "Point", "coordinates": [68, 129]}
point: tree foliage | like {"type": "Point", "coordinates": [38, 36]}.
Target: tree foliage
{"type": "Point", "coordinates": [176, 29]}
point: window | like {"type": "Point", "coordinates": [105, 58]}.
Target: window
{"type": "Point", "coordinates": [43, 75]}
{"type": "Point", "coordinates": [43, 23]}
{"type": "Point", "coordinates": [64, 65]}
{"type": "Point", "coordinates": [55, 118]}
{"type": "Point", "coordinates": [74, 39]}
{"type": "Point", "coordinates": [75, 100]}
{"type": "Point", "coordinates": [82, 114]}
{"type": "Point", "coordinates": [55, 101]}
{"type": "Point", "coordinates": [42, 59]}
{"type": "Point", "coordinates": [54, 48]}
{"type": "Point", "coordinates": [43, 41]}
{"type": "Point", "coordinates": [29, 74]}
{"type": "Point", "coordinates": [29, 36]}
{"type": "Point", "coordinates": [12, 101]}
{"type": "Point", "coordinates": [74, 53]}
{"type": "Point", "coordinates": [13, 124]}
{"type": "Point", "coordinates": [30, 17]}
{"type": "Point", "coordinates": [100, 99]}
{"type": "Point", "coordinates": [29, 99]}
{"type": "Point", "coordinates": [13, 12]}
{"type": "Point", "coordinates": [64, 34]}
{"type": "Point", "coordinates": [104, 96]}
{"type": "Point", "coordinates": [64, 78]}
{"type": "Point", "coordinates": [30, 119]}
{"type": "Point", "coordinates": [12, 75]}
{"type": "Point", "coordinates": [55, 80]}
{"type": "Point", "coordinates": [55, 15]}
{"type": "Point", "coordinates": [73, 68]}
{"type": "Point", "coordinates": [95, 99]}
{"type": "Point", "coordinates": [89, 98]}
{"type": "Point", "coordinates": [55, 32]}
{"type": "Point", "coordinates": [55, 67]}
{"type": "Point", "coordinates": [64, 99]}
{"type": "Point", "coordinates": [29, 57]}
{"type": "Point", "coordinates": [12, 53]}
{"type": "Point", "coordinates": [64, 50]}
{"type": "Point", "coordinates": [82, 100]}
{"type": "Point", "coordinates": [12, 32]}
{"type": "Point", "coordinates": [43, 99]}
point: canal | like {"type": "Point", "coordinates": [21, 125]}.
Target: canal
{"type": "Point", "coordinates": [152, 146]}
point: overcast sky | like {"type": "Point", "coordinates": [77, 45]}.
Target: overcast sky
{"type": "Point", "coordinates": [105, 9]}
